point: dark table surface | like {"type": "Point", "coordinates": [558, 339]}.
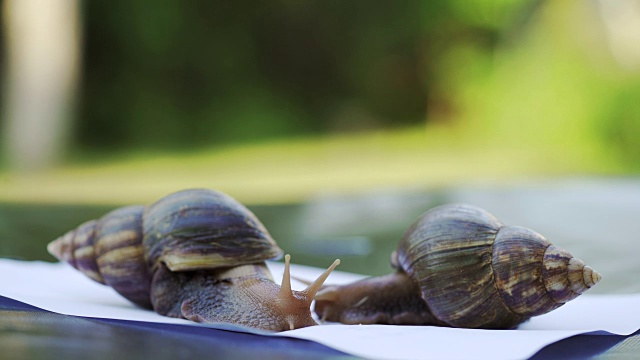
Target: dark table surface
{"type": "Point", "coordinates": [27, 332]}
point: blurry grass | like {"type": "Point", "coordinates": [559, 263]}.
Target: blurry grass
{"type": "Point", "coordinates": [294, 170]}
{"type": "Point", "coordinates": [536, 108]}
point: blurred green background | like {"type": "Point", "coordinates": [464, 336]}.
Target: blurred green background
{"type": "Point", "coordinates": [282, 104]}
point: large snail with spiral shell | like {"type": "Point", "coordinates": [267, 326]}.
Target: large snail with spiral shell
{"type": "Point", "coordinates": [459, 266]}
{"type": "Point", "coordinates": [196, 254]}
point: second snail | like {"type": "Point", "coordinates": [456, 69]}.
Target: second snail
{"type": "Point", "coordinates": [460, 266]}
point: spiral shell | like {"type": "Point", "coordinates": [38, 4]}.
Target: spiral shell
{"type": "Point", "coordinates": [196, 254]}
{"type": "Point", "coordinates": [475, 272]}
{"type": "Point", "coordinates": [188, 230]}
{"type": "Point", "coordinates": [220, 232]}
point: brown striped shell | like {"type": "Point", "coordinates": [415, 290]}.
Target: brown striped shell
{"type": "Point", "coordinates": [469, 270]}
{"type": "Point", "coordinates": [203, 229]}
{"type": "Point", "coordinates": [197, 254]}
{"type": "Point", "coordinates": [109, 251]}
{"type": "Point", "coordinates": [187, 230]}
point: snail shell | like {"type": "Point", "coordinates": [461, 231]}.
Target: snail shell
{"type": "Point", "coordinates": [459, 266]}
{"type": "Point", "coordinates": [197, 254]}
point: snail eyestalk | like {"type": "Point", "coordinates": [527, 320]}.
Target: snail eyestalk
{"type": "Point", "coordinates": [294, 304]}
{"type": "Point", "coordinates": [312, 289]}
{"type": "Point", "coordinates": [285, 287]}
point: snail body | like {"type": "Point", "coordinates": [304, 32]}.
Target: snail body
{"type": "Point", "coordinates": [459, 266]}
{"type": "Point", "coordinates": [196, 254]}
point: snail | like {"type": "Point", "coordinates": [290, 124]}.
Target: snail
{"type": "Point", "coordinates": [459, 266]}
{"type": "Point", "coordinates": [196, 254]}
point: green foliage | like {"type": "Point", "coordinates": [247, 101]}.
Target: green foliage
{"type": "Point", "coordinates": [340, 96]}
{"type": "Point", "coordinates": [188, 74]}
{"type": "Point", "coordinates": [622, 125]}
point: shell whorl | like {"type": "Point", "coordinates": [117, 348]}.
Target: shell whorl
{"type": "Point", "coordinates": [76, 247]}
{"type": "Point", "coordinates": [566, 277]}
{"type": "Point", "coordinates": [109, 251]}
{"type": "Point", "coordinates": [203, 229]}
{"type": "Point", "coordinates": [192, 229]}
{"type": "Point", "coordinates": [474, 271]}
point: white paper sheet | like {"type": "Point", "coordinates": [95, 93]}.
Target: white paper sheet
{"type": "Point", "coordinates": [59, 288]}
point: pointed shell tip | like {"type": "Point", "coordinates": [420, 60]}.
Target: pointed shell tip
{"type": "Point", "coordinates": [591, 277]}
{"type": "Point", "coordinates": [55, 248]}
{"type": "Point", "coordinates": [596, 277]}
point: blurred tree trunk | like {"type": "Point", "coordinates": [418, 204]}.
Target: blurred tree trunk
{"type": "Point", "coordinates": [41, 75]}
{"type": "Point", "coordinates": [622, 27]}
